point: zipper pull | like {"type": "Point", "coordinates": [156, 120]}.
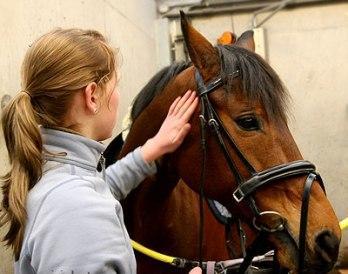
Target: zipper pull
{"type": "Point", "coordinates": [102, 163]}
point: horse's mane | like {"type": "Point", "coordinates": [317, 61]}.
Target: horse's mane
{"type": "Point", "coordinates": [259, 81]}
{"type": "Point", "coordinates": [155, 86]}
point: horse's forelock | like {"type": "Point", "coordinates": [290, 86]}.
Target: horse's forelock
{"type": "Point", "coordinates": [155, 86]}
{"type": "Point", "coordinates": [259, 81]}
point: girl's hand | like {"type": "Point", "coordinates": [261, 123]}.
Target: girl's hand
{"type": "Point", "coordinates": [196, 270]}
{"type": "Point", "coordinates": [174, 128]}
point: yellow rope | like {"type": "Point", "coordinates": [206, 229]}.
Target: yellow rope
{"type": "Point", "coordinates": [169, 259]}
{"type": "Point", "coordinates": [153, 254]}
{"type": "Point", "coordinates": [344, 224]}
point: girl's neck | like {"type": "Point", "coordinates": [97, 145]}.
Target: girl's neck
{"type": "Point", "coordinates": [64, 129]}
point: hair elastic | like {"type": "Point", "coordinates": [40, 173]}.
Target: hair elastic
{"type": "Point", "coordinates": [27, 93]}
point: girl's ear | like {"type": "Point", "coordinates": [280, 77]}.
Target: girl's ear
{"type": "Point", "coordinates": [91, 97]}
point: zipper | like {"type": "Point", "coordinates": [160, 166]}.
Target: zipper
{"type": "Point", "coordinates": [102, 163]}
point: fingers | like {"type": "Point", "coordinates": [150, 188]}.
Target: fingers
{"type": "Point", "coordinates": [186, 105]}
{"type": "Point", "coordinates": [173, 105]}
{"type": "Point", "coordinates": [175, 127]}
{"type": "Point", "coordinates": [190, 110]}
{"type": "Point", "coordinates": [181, 102]}
{"type": "Point", "coordinates": [196, 270]}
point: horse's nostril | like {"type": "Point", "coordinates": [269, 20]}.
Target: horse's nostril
{"type": "Point", "coordinates": [326, 248]}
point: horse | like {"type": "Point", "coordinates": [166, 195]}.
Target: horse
{"type": "Point", "coordinates": [240, 153]}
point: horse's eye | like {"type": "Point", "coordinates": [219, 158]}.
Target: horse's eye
{"type": "Point", "coordinates": [248, 123]}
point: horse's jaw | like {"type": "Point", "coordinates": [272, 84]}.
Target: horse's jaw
{"type": "Point", "coordinates": [286, 250]}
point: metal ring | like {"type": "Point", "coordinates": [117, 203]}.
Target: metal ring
{"type": "Point", "coordinates": [213, 122]}
{"type": "Point", "coordinates": [266, 229]}
{"type": "Point", "coordinates": [202, 118]}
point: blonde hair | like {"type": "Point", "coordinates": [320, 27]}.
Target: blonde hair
{"type": "Point", "coordinates": [56, 66]}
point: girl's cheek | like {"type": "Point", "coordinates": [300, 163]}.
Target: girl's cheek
{"type": "Point", "coordinates": [117, 99]}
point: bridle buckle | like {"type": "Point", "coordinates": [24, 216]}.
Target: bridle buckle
{"type": "Point", "coordinates": [238, 195]}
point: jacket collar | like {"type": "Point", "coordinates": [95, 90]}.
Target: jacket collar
{"type": "Point", "coordinates": [71, 148]}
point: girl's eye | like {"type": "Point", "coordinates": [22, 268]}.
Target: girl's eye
{"type": "Point", "coordinates": [248, 123]}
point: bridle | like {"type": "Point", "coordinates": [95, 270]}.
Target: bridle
{"type": "Point", "coordinates": [246, 188]}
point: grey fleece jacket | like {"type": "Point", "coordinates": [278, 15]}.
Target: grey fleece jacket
{"type": "Point", "coordinates": [75, 221]}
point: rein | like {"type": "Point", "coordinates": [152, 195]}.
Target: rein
{"type": "Point", "coordinates": [246, 188]}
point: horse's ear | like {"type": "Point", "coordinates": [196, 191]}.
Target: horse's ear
{"type": "Point", "coordinates": [203, 55]}
{"type": "Point", "coordinates": [246, 40]}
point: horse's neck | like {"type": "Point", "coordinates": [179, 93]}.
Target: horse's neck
{"type": "Point", "coordinates": [163, 214]}
{"type": "Point", "coordinates": [144, 127]}
{"type": "Point", "coordinates": [153, 210]}
{"type": "Point", "coordinates": [168, 221]}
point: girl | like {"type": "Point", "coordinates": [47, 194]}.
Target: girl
{"type": "Point", "coordinates": [62, 214]}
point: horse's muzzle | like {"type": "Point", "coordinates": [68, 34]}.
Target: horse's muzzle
{"type": "Point", "coordinates": [326, 250]}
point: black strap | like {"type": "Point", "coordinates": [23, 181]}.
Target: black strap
{"type": "Point", "coordinates": [231, 141]}
{"type": "Point", "coordinates": [304, 217]}
{"type": "Point", "coordinates": [211, 86]}
{"type": "Point", "coordinates": [256, 247]}
{"type": "Point", "coordinates": [227, 155]}
{"type": "Point", "coordinates": [202, 183]}
{"type": "Point", "coordinates": [215, 123]}
{"type": "Point", "coordinates": [272, 174]}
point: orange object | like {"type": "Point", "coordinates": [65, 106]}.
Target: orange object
{"type": "Point", "coordinates": [227, 38]}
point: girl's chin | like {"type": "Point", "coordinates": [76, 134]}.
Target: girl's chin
{"type": "Point", "coordinates": [103, 137]}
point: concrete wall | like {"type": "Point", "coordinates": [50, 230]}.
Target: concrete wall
{"type": "Point", "coordinates": [129, 25]}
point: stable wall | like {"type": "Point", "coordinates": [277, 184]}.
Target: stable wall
{"type": "Point", "coordinates": [129, 25]}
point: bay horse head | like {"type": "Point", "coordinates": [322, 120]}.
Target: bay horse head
{"type": "Point", "coordinates": [244, 104]}
{"type": "Point", "coordinates": [250, 162]}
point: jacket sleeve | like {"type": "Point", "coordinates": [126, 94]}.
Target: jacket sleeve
{"type": "Point", "coordinates": [127, 173]}
{"type": "Point", "coordinates": [78, 231]}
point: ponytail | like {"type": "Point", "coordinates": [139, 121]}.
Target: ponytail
{"type": "Point", "coordinates": [24, 145]}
